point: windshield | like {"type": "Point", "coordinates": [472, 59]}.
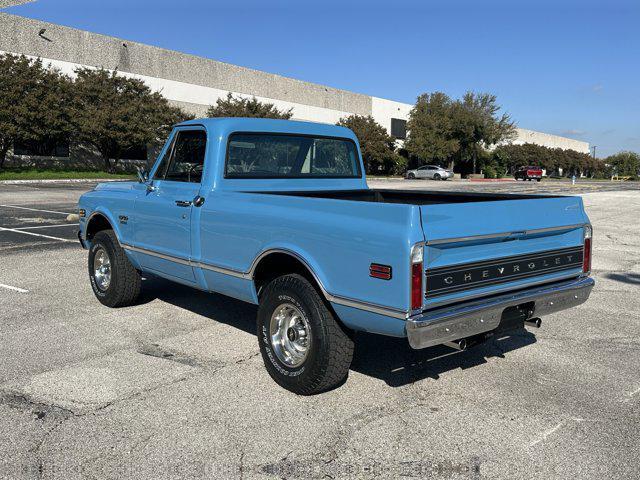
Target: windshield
{"type": "Point", "coordinates": [262, 155]}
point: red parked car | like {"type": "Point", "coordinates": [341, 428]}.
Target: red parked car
{"type": "Point", "coordinates": [528, 173]}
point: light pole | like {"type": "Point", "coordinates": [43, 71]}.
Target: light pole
{"type": "Point", "coordinates": [594, 151]}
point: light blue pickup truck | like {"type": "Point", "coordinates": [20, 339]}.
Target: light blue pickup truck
{"type": "Point", "coordinates": [278, 213]}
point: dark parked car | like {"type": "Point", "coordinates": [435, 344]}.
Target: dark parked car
{"type": "Point", "coordinates": [528, 173]}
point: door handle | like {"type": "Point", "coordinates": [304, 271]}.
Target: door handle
{"type": "Point", "coordinates": [198, 201]}
{"type": "Point", "coordinates": [183, 203]}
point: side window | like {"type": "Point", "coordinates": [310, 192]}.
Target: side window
{"type": "Point", "coordinates": [187, 157]}
{"type": "Point", "coordinates": [164, 161]}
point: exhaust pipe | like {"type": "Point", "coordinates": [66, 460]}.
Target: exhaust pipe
{"type": "Point", "coordinates": [458, 344]}
{"type": "Point", "coordinates": [534, 322]}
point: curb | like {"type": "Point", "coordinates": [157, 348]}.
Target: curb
{"type": "Point", "coordinates": [390, 179]}
{"type": "Point", "coordinates": [384, 179]}
{"type": "Point", "coordinates": [492, 180]}
{"type": "Point", "coordinates": [61, 180]}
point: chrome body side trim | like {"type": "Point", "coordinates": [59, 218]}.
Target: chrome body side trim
{"type": "Point", "coordinates": [369, 307]}
{"type": "Point", "coordinates": [340, 300]}
{"type": "Point", "coordinates": [504, 234]}
{"type": "Point", "coordinates": [182, 261]}
{"type": "Point", "coordinates": [471, 318]}
{"type": "Point", "coordinates": [217, 269]}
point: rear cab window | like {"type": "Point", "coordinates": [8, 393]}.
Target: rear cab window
{"type": "Point", "coordinates": [267, 155]}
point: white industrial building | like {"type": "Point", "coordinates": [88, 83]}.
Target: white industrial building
{"type": "Point", "coordinates": [194, 83]}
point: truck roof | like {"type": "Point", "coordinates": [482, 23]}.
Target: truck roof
{"type": "Point", "coordinates": [245, 124]}
{"type": "Point", "coordinates": [220, 129]}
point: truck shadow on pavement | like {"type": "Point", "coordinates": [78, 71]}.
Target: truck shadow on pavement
{"type": "Point", "coordinates": [631, 278]}
{"type": "Point", "coordinates": [386, 358]}
{"type": "Point", "coordinates": [396, 363]}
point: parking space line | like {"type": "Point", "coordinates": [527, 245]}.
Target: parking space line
{"type": "Point", "coordinates": [47, 226]}
{"type": "Point", "coordinates": [35, 209]}
{"type": "Point", "coordinates": [15, 289]}
{"type": "Point", "coordinates": [2, 229]}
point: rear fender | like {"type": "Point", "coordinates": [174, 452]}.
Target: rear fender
{"type": "Point", "coordinates": [303, 256]}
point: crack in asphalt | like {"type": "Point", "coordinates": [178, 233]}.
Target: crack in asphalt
{"type": "Point", "coordinates": [42, 412]}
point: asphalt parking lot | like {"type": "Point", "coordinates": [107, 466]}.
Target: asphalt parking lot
{"type": "Point", "coordinates": [175, 387]}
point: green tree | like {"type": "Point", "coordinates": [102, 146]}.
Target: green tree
{"type": "Point", "coordinates": [246, 107]}
{"type": "Point", "coordinates": [431, 129]}
{"type": "Point", "coordinates": [442, 130]}
{"type": "Point", "coordinates": [624, 163]}
{"type": "Point", "coordinates": [34, 103]}
{"type": "Point", "coordinates": [477, 124]}
{"type": "Point", "coordinates": [376, 145]}
{"type": "Point", "coordinates": [114, 113]}
{"type": "Point", "coordinates": [510, 157]}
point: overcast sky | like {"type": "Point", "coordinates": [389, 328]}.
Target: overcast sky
{"type": "Point", "coordinates": [566, 67]}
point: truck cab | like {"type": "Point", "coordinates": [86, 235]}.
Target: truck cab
{"type": "Point", "coordinates": [278, 213]}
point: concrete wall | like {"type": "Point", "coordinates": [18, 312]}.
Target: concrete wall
{"type": "Point", "coordinates": [548, 140]}
{"type": "Point", "coordinates": [181, 71]}
{"type": "Point", "coordinates": [383, 111]}
{"type": "Point", "coordinates": [12, 3]}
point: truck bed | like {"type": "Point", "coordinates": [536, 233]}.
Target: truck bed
{"type": "Point", "coordinates": [463, 230]}
{"type": "Point", "coordinates": [410, 197]}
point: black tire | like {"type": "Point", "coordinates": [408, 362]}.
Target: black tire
{"type": "Point", "coordinates": [411, 176]}
{"type": "Point", "coordinates": [329, 351]}
{"type": "Point", "coordinates": [125, 283]}
{"type": "Point", "coordinates": [538, 179]}
{"type": "Point", "coordinates": [437, 177]}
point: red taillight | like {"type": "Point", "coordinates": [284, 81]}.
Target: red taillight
{"type": "Point", "coordinates": [416, 286]}
{"type": "Point", "coordinates": [586, 259]}
{"type": "Point", "coordinates": [417, 252]}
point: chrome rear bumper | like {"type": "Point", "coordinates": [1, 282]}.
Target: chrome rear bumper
{"type": "Point", "coordinates": [446, 324]}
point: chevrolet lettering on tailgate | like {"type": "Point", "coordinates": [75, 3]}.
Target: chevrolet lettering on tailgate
{"type": "Point", "coordinates": [448, 279]}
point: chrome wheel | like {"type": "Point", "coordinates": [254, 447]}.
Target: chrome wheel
{"type": "Point", "coordinates": [290, 335]}
{"type": "Point", "coordinates": [102, 269]}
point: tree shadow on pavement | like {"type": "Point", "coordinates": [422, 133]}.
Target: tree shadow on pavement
{"type": "Point", "coordinates": [386, 358]}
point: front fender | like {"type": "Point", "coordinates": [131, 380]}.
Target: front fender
{"type": "Point", "coordinates": [101, 211]}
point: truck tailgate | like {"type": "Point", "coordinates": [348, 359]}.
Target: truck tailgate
{"type": "Point", "coordinates": [482, 248]}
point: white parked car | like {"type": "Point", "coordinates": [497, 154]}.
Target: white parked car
{"type": "Point", "coordinates": [430, 171]}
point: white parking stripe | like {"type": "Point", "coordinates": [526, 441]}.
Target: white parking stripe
{"type": "Point", "coordinates": [34, 209]}
{"type": "Point", "coordinates": [16, 289]}
{"type": "Point", "coordinates": [48, 226]}
{"type": "Point", "coordinates": [35, 234]}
